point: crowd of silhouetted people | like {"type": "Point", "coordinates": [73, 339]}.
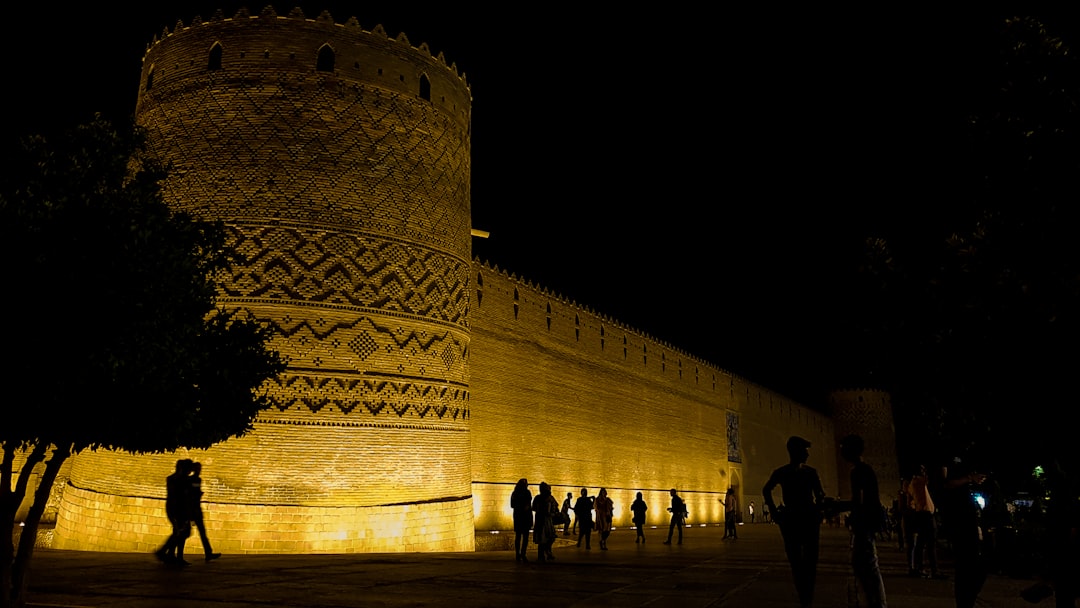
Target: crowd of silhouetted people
{"type": "Point", "coordinates": [542, 515]}
{"type": "Point", "coordinates": [937, 507]}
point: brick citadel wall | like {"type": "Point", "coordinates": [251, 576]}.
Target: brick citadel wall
{"type": "Point", "coordinates": [566, 395]}
{"type": "Point", "coordinates": [560, 393]}
{"type": "Point", "coordinates": [421, 383]}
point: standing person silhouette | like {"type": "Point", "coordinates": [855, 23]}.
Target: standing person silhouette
{"type": "Point", "coordinates": [605, 511]}
{"type": "Point", "coordinates": [545, 506]}
{"type": "Point", "coordinates": [867, 519]}
{"type": "Point", "coordinates": [678, 516]}
{"type": "Point", "coordinates": [177, 509]}
{"type": "Point", "coordinates": [961, 519]}
{"type": "Point", "coordinates": [521, 504]}
{"type": "Point", "coordinates": [567, 506]}
{"type": "Point", "coordinates": [195, 495]}
{"type": "Point", "coordinates": [799, 518]}
{"type": "Point", "coordinates": [731, 514]}
{"type": "Point", "coordinates": [922, 537]}
{"type": "Point", "coordinates": [583, 518]}
{"type": "Point", "coordinates": [638, 508]}
{"type": "Point", "coordinates": [750, 510]}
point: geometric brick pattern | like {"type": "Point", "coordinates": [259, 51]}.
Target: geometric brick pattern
{"type": "Point", "coordinates": [394, 400]}
{"type": "Point", "coordinates": [284, 263]}
{"type": "Point", "coordinates": [383, 162]}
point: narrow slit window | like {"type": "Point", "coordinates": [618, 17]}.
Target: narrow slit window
{"type": "Point", "coordinates": [215, 57]}
{"type": "Point", "coordinates": [425, 87]}
{"type": "Point", "coordinates": [325, 62]}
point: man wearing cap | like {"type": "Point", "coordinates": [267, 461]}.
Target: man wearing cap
{"type": "Point", "coordinates": [799, 515]}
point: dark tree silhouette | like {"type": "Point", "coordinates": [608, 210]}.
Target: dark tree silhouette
{"type": "Point", "coordinates": [114, 339]}
{"type": "Point", "coordinates": [979, 304]}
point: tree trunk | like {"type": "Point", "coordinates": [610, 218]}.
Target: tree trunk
{"type": "Point", "coordinates": [10, 499]}
{"type": "Point", "coordinates": [20, 569]}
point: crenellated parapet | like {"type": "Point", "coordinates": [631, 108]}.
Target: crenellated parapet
{"type": "Point", "coordinates": [584, 318]}
{"type": "Point", "coordinates": [563, 394]}
{"type": "Point", "coordinates": [359, 55]}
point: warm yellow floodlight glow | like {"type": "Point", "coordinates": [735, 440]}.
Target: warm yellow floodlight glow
{"type": "Point", "coordinates": [481, 233]}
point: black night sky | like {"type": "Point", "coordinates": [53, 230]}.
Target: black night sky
{"type": "Point", "coordinates": [706, 177]}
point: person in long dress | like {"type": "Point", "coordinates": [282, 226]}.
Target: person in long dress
{"type": "Point", "coordinates": [605, 511]}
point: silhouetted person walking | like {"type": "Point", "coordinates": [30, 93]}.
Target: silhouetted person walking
{"type": "Point", "coordinates": [177, 509]}
{"type": "Point", "coordinates": [544, 506]}
{"type": "Point", "coordinates": [867, 519]}
{"type": "Point", "coordinates": [678, 516]}
{"type": "Point", "coordinates": [605, 510]}
{"type": "Point", "coordinates": [639, 508]}
{"type": "Point", "coordinates": [195, 495]}
{"type": "Point", "coordinates": [583, 518]}
{"type": "Point", "coordinates": [521, 504]}
{"type": "Point", "coordinates": [799, 517]}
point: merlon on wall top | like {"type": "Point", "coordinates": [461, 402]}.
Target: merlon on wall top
{"type": "Point", "coordinates": [352, 23]}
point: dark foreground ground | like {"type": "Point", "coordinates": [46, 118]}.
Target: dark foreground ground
{"type": "Point", "coordinates": [704, 571]}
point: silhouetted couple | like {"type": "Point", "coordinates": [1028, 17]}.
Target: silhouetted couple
{"type": "Point", "coordinates": [183, 506]}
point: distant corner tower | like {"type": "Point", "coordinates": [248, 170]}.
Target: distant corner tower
{"type": "Point", "coordinates": [868, 413]}
{"type": "Point", "coordinates": [339, 160]}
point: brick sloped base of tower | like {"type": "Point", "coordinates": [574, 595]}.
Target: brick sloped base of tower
{"type": "Point", "coordinates": [284, 489]}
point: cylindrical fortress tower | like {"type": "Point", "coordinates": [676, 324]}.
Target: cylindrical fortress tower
{"type": "Point", "coordinates": [869, 414]}
{"type": "Point", "coordinates": [339, 160]}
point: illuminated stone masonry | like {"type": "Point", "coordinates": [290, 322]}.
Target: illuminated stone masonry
{"type": "Point", "coordinates": [339, 161]}
{"type": "Point", "coordinates": [421, 384]}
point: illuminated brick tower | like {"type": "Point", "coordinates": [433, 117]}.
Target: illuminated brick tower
{"type": "Point", "coordinates": [869, 413]}
{"type": "Point", "coordinates": [339, 160]}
